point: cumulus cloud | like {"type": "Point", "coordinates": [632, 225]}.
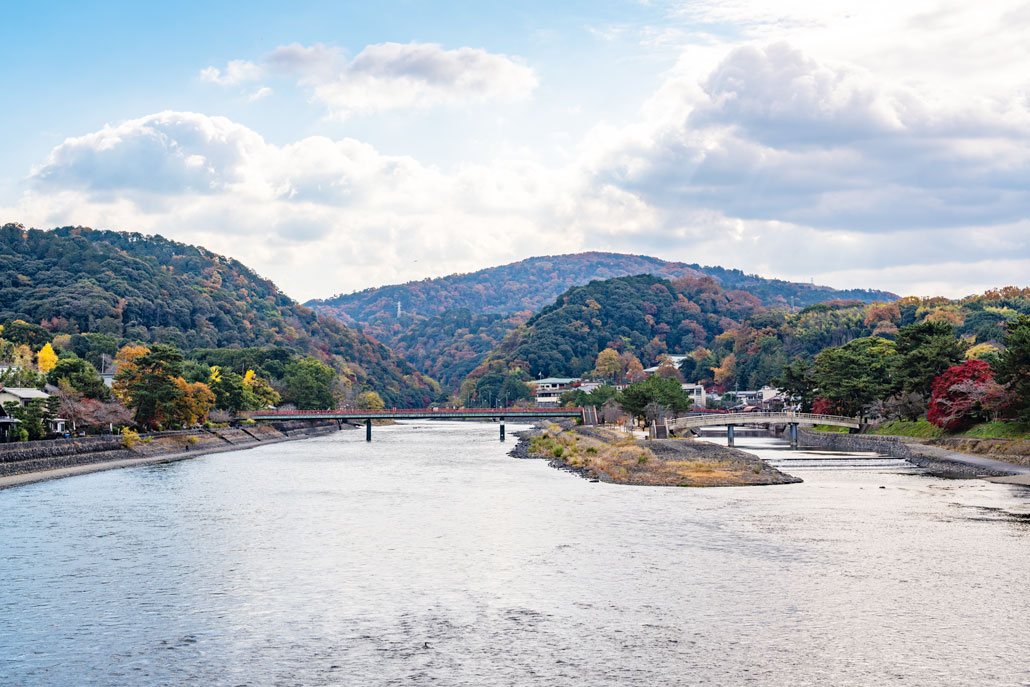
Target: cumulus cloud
{"type": "Point", "coordinates": [317, 215]}
{"type": "Point", "coordinates": [169, 152]}
{"type": "Point", "coordinates": [774, 134]}
{"type": "Point", "coordinates": [388, 76]}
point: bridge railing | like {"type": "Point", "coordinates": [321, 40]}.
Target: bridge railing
{"type": "Point", "coordinates": [788, 417]}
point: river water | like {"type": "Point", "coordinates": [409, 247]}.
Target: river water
{"type": "Point", "coordinates": [430, 557]}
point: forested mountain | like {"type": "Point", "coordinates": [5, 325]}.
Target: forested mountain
{"type": "Point", "coordinates": [730, 338]}
{"type": "Point", "coordinates": [148, 289]}
{"type": "Point", "coordinates": [448, 324]}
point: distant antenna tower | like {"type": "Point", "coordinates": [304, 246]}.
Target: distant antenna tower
{"type": "Point", "coordinates": [398, 310]}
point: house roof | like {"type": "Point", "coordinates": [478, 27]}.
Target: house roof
{"type": "Point", "coordinates": [556, 380]}
{"type": "Point", "coordinates": [21, 392]}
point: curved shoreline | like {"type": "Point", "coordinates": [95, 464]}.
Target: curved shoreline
{"type": "Point", "coordinates": [85, 468]}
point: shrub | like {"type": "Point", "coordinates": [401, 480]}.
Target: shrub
{"type": "Point", "coordinates": [130, 437]}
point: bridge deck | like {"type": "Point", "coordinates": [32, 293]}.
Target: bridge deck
{"type": "Point", "coordinates": [414, 413]}
{"type": "Point", "coordinates": [719, 420]}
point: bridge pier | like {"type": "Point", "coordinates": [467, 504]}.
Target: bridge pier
{"type": "Point", "coordinates": [729, 435]}
{"type": "Point", "coordinates": [502, 429]}
{"type": "Point", "coordinates": [368, 429]}
{"type": "Point", "coordinates": [793, 434]}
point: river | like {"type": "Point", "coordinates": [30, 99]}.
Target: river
{"type": "Point", "coordinates": [430, 557]}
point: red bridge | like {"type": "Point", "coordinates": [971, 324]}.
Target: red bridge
{"type": "Point", "coordinates": [588, 415]}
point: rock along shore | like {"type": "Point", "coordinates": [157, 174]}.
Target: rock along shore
{"type": "Point", "coordinates": [40, 461]}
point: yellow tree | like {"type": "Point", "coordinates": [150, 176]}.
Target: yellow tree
{"type": "Point", "coordinates": [608, 365]}
{"type": "Point", "coordinates": [260, 393]}
{"type": "Point", "coordinates": [23, 357]}
{"type": "Point", "coordinates": [46, 359]}
{"type": "Point", "coordinates": [727, 370]}
{"type": "Point", "coordinates": [194, 402]}
{"type": "Point", "coordinates": [125, 360]}
{"type": "Point", "coordinates": [369, 400]}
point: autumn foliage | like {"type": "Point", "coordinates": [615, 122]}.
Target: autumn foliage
{"type": "Point", "coordinates": [963, 395]}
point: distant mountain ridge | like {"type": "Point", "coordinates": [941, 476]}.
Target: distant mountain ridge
{"type": "Point", "coordinates": [532, 283]}
{"type": "Point", "coordinates": [449, 324]}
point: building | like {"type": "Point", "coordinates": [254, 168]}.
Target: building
{"type": "Point", "coordinates": [674, 359]}
{"type": "Point", "coordinates": [766, 398]}
{"type": "Point", "coordinates": [697, 395]}
{"type": "Point", "coordinates": [550, 389]}
{"type": "Point", "coordinates": [6, 424]}
{"type": "Point", "coordinates": [20, 395]}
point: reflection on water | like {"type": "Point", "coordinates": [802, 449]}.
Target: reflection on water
{"type": "Point", "coordinates": [428, 556]}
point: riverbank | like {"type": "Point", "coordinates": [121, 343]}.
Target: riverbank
{"type": "Point", "coordinates": [609, 455]}
{"type": "Point", "coordinates": [935, 455]}
{"type": "Point", "coordinates": [31, 462]}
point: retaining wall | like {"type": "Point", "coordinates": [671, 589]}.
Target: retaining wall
{"type": "Point", "coordinates": [23, 457]}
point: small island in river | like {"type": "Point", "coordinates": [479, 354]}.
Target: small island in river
{"type": "Point", "coordinates": [611, 455]}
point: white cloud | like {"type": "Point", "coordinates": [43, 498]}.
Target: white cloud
{"type": "Point", "coordinates": [236, 72]}
{"type": "Point", "coordinates": [260, 93]}
{"type": "Point", "coordinates": [389, 76]}
{"type": "Point", "coordinates": [317, 215]}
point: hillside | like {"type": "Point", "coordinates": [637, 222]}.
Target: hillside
{"type": "Point", "coordinates": [149, 289]}
{"type": "Point", "coordinates": [448, 325]}
{"type": "Point", "coordinates": [733, 341]}
{"type": "Point", "coordinates": [643, 314]}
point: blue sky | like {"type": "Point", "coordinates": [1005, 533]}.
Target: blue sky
{"type": "Point", "coordinates": [335, 146]}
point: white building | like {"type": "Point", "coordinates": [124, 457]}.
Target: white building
{"type": "Point", "coordinates": [697, 395]}
{"type": "Point", "coordinates": [550, 389]}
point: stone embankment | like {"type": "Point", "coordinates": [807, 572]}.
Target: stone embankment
{"type": "Point", "coordinates": [27, 462]}
{"type": "Point", "coordinates": [934, 454]}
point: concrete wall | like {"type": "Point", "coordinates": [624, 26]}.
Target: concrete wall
{"type": "Point", "coordinates": [887, 446]}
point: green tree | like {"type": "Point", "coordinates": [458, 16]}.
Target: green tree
{"type": "Point", "coordinates": [924, 351]}
{"type": "Point", "coordinates": [797, 383]}
{"type": "Point", "coordinates": [1012, 366]}
{"type": "Point", "coordinates": [308, 384]}
{"type": "Point", "coordinates": [228, 388]}
{"type": "Point", "coordinates": [150, 385]}
{"type": "Point", "coordinates": [81, 376]}
{"type": "Point", "coordinates": [664, 391]}
{"type": "Point", "coordinates": [21, 332]}
{"type": "Point", "coordinates": [854, 376]}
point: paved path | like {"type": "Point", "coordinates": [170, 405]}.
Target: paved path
{"type": "Point", "coordinates": [970, 459]}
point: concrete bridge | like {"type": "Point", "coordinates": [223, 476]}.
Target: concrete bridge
{"type": "Point", "coordinates": [588, 415]}
{"type": "Point", "coordinates": [790, 419]}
